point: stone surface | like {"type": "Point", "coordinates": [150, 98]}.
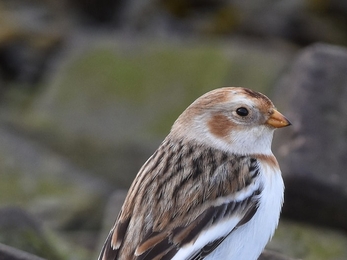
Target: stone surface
{"type": "Point", "coordinates": [312, 152]}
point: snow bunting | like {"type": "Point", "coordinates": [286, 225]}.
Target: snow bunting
{"type": "Point", "coordinates": [212, 190]}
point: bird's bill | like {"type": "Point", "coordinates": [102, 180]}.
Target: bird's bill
{"type": "Point", "coordinates": [278, 120]}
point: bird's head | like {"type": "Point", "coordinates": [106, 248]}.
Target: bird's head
{"type": "Point", "coordinates": [234, 119]}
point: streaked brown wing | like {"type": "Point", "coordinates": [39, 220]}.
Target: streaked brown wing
{"type": "Point", "coordinates": [164, 245]}
{"type": "Point", "coordinates": [167, 206]}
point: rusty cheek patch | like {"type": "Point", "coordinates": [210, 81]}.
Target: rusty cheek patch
{"type": "Point", "coordinates": [220, 125]}
{"type": "Point", "coordinates": [268, 159]}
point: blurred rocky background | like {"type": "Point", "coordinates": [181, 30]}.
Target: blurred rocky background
{"type": "Point", "coordinates": [88, 89]}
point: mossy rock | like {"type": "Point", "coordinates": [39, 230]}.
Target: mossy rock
{"type": "Point", "coordinates": [108, 107]}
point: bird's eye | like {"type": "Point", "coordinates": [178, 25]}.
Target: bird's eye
{"type": "Point", "coordinates": [242, 111]}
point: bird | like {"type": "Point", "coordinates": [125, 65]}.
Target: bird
{"type": "Point", "coordinates": [212, 190]}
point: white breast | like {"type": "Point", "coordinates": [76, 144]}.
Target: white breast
{"type": "Point", "coordinates": [248, 241]}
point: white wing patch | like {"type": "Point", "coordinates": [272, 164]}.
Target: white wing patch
{"type": "Point", "coordinates": [215, 232]}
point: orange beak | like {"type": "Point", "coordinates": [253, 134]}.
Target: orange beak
{"type": "Point", "coordinates": [278, 120]}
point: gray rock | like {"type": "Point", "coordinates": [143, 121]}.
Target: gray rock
{"type": "Point", "coordinates": [53, 189]}
{"type": "Point", "coordinates": [312, 152]}
{"type": "Point", "coordinates": [10, 253]}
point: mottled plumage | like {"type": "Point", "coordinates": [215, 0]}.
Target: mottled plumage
{"type": "Point", "coordinates": [211, 177]}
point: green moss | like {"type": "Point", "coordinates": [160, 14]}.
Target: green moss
{"type": "Point", "coordinates": [17, 189]}
{"type": "Point", "coordinates": [104, 74]}
{"type": "Point", "coordinates": [308, 242]}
